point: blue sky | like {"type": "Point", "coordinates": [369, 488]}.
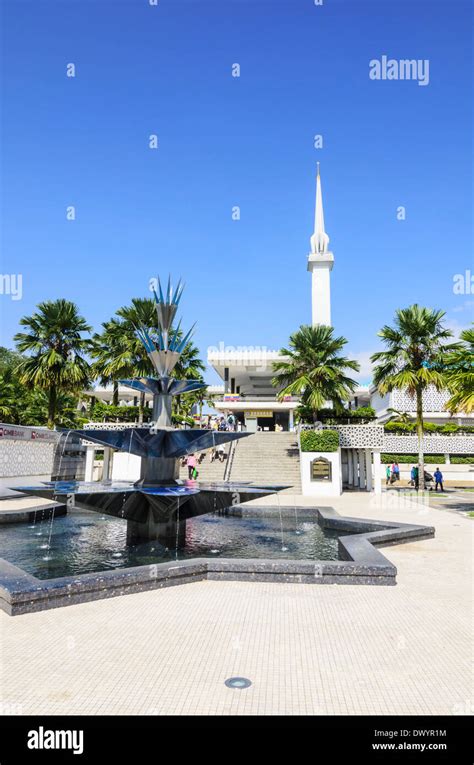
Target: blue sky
{"type": "Point", "coordinates": [226, 141]}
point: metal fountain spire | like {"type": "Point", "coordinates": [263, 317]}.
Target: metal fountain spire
{"type": "Point", "coordinates": [164, 353]}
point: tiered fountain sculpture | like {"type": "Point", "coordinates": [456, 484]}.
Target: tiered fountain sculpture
{"type": "Point", "coordinates": [157, 505]}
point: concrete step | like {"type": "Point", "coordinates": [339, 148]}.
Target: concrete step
{"type": "Point", "coordinates": [268, 458]}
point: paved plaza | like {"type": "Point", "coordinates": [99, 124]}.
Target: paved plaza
{"type": "Point", "coordinates": [308, 649]}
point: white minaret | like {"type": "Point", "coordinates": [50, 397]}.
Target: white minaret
{"type": "Point", "coordinates": [320, 263]}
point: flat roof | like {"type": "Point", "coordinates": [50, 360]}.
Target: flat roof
{"type": "Point", "coordinates": [251, 368]}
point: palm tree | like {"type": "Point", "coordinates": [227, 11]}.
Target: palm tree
{"type": "Point", "coordinates": [112, 352]}
{"type": "Point", "coordinates": [315, 370]}
{"type": "Point", "coordinates": [413, 360]}
{"type": "Point", "coordinates": [141, 313]}
{"type": "Point", "coordinates": [461, 375]}
{"type": "Point", "coordinates": [9, 397]}
{"type": "Point", "coordinates": [399, 416]}
{"type": "Point", "coordinates": [57, 363]}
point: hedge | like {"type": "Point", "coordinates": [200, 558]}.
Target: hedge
{"type": "Point", "coordinates": [361, 415]}
{"type": "Point", "coordinates": [319, 440]}
{"type": "Point", "coordinates": [455, 459]}
{"type": "Point", "coordinates": [108, 413]}
{"type": "Point", "coordinates": [428, 427]}
{"type": "Point", "coordinates": [387, 459]}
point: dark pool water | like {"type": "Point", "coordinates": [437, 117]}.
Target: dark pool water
{"type": "Point", "coordinates": [84, 542]}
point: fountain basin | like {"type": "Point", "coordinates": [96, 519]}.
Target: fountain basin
{"type": "Point", "coordinates": [358, 562]}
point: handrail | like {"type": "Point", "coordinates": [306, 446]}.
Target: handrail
{"type": "Point", "coordinates": [230, 460]}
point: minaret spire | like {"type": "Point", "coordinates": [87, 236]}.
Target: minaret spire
{"type": "Point", "coordinates": [319, 239]}
{"type": "Point", "coordinates": [320, 263]}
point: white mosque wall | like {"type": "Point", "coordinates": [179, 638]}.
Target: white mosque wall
{"type": "Point", "coordinates": [434, 403]}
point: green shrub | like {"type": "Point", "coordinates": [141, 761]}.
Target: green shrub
{"type": "Point", "coordinates": [108, 413]}
{"type": "Point", "coordinates": [331, 417]}
{"type": "Point", "coordinates": [362, 412]}
{"type": "Point", "coordinates": [399, 427]}
{"type": "Point", "coordinates": [451, 428]}
{"type": "Point", "coordinates": [182, 419]}
{"type": "Point", "coordinates": [319, 441]}
{"type": "Point", "coordinates": [457, 459]}
{"type": "Point", "coordinates": [404, 459]}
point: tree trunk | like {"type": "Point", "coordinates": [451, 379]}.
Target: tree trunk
{"type": "Point", "coordinates": [141, 408]}
{"type": "Point", "coordinates": [419, 432]}
{"type": "Point", "coordinates": [52, 403]}
{"type": "Point", "coordinates": [115, 397]}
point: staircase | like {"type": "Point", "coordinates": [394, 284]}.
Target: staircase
{"type": "Point", "coordinates": [262, 458]}
{"type": "Point", "coordinates": [268, 458]}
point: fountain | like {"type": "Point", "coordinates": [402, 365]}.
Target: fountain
{"type": "Point", "coordinates": [150, 506]}
{"type": "Point", "coordinates": [174, 531]}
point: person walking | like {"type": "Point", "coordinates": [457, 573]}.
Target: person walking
{"type": "Point", "coordinates": [388, 475]}
{"type": "Point", "coordinates": [191, 464]}
{"type": "Point", "coordinates": [416, 476]}
{"type": "Point", "coordinates": [438, 476]}
{"type": "Point", "coordinates": [412, 476]}
{"type": "Point", "coordinates": [396, 471]}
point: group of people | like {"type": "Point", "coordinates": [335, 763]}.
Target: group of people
{"type": "Point", "coordinates": [392, 474]}
{"type": "Point", "coordinates": [191, 461]}
{"type": "Point", "coordinates": [222, 423]}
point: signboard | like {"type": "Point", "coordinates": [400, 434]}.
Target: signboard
{"type": "Point", "coordinates": [20, 433]}
{"type": "Point", "coordinates": [320, 469]}
{"type": "Point", "coordinates": [253, 415]}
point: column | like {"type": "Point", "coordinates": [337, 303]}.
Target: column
{"type": "Point", "coordinates": [291, 423]}
{"type": "Point", "coordinates": [226, 379]}
{"type": "Point", "coordinates": [368, 468]}
{"type": "Point", "coordinates": [355, 469]}
{"type": "Point", "coordinates": [89, 469]}
{"type": "Point", "coordinates": [350, 468]}
{"type": "Point", "coordinates": [377, 473]}
{"type": "Point", "coordinates": [447, 459]}
{"type": "Point", "coordinates": [362, 471]}
{"type": "Point", "coordinates": [106, 467]}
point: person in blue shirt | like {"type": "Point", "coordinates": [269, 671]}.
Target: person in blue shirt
{"type": "Point", "coordinates": [438, 476]}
